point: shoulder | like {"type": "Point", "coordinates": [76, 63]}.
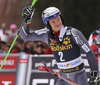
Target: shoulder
{"type": "Point", "coordinates": [71, 30]}
{"type": "Point", "coordinates": [96, 32]}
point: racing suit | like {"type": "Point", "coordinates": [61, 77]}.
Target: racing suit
{"type": "Point", "coordinates": [67, 52]}
{"type": "Point", "coordinates": [92, 44]}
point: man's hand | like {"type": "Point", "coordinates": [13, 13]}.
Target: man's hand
{"type": "Point", "coordinates": [28, 13]}
{"type": "Point", "coordinates": [94, 79]}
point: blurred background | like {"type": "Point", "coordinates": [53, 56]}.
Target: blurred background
{"type": "Point", "coordinates": [81, 14]}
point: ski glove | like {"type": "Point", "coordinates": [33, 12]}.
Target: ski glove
{"type": "Point", "coordinates": [97, 40]}
{"type": "Point", "coordinates": [94, 78]}
{"type": "Point", "coordinates": [28, 13]}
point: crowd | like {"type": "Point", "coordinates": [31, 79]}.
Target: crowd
{"type": "Point", "coordinates": [21, 46]}
{"type": "Point", "coordinates": [24, 46]}
{"type": "Point", "coordinates": [31, 47]}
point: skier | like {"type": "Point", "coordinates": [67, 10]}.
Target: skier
{"type": "Point", "coordinates": [92, 42]}
{"type": "Point", "coordinates": [65, 43]}
{"type": "Point", "coordinates": [93, 35]}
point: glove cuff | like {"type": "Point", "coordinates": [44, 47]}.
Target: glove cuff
{"type": "Point", "coordinates": [28, 22]}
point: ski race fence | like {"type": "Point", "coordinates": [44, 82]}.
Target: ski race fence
{"type": "Point", "coordinates": [22, 69]}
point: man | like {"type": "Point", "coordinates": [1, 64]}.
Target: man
{"type": "Point", "coordinates": [93, 35]}
{"type": "Point", "coordinates": [65, 43]}
{"type": "Point", "coordinates": [92, 42]}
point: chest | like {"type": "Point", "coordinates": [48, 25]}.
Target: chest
{"type": "Point", "coordinates": [67, 43]}
{"type": "Point", "coordinates": [66, 50]}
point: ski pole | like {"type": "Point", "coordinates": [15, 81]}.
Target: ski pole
{"type": "Point", "coordinates": [34, 1]}
{"type": "Point", "coordinates": [45, 68]}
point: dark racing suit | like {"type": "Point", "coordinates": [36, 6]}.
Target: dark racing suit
{"type": "Point", "coordinates": [67, 52]}
{"type": "Point", "coordinates": [92, 36]}
{"type": "Point", "coordinates": [92, 44]}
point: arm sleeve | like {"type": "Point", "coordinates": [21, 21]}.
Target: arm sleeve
{"type": "Point", "coordinates": [90, 41]}
{"type": "Point", "coordinates": [38, 35]}
{"type": "Point", "coordinates": [84, 46]}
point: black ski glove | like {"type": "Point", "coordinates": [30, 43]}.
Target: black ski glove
{"type": "Point", "coordinates": [94, 78]}
{"type": "Point", "coordinates": [28, 13]}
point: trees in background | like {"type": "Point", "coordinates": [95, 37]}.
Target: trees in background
{"type": "Point", "coordinates": [81, 14]}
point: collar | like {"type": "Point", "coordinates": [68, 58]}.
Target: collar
{"type": "Point", "coordinates": [62, 32]}
{"type": "Point", "coordinates": [57, 33]}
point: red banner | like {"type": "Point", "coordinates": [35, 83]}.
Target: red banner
{"type": "Point", "coordinates": [23, 61]}
{"type": "Point", "coordinates": [10, 63]}
{"type": "Point", "coordinates": [7, 79]}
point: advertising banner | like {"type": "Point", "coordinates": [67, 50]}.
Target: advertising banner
{"type": "Point", "coordinates": [45, 78]}
{"type": "Point", "coordinates": [8, 71]}
{"type": "Point", "coordinates": [22, 69]}
{"type": "Point", "coordinates": [10, 63]}
{"type": "Point", "coordinates": [7, 78]}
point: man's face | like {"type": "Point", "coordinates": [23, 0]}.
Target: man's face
{"type": "Point", "coordinates": [56, 24]}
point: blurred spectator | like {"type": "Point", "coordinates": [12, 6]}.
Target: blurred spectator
{"type": "Point", "coordinates": [39, 42]}
{"type": "Point", "coordinates": [40, 49]}
{"type": "Point", "coordinates": [6, 48]}
{"type": "Point", "coordinates": [24, 46]}
{"type": "Point", "coordinates": [29, 49]}
{"type": "Point", "coordinates": [15, 48]}
{"type": "Point", "coordinates": [20, 45]}
{"type": "Point", "coordinates": [34, 44]}
{"type": "Point", "coordinates": [3, 37]}
{"type": "Point", "coordinates": [10, 40]}
{"type": "Point", "coordinates": [10, 33]}
{"type": "Point", "coordinates": [44, 44]}
{"type": "Point", "coordinates": [48, 51]}
{"type": "Point", "coordinates": [2, 44]}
